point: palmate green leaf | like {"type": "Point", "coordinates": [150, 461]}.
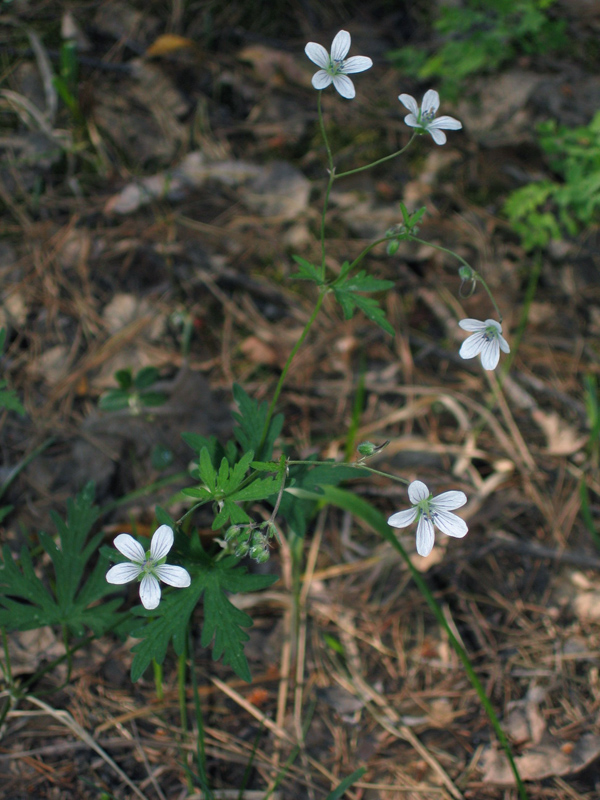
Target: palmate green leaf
{"type": "Point", "coordinates": [216, 450]}
{"type": "Point", "coordinates": [226, 487]}
{"type": "Point", "coordinates": [251, 420]}
{"type": "Point", "coordinates": [26, 603]}
{"type": "Point", "coordinates": [114, 400]}
{"type": "Point", "coordinates": [30, 605]}
{"type": "Point", "coordinates": [230, 513]}
{"type": "Point", "coordinates": [222, 620]}
{"type": "Point", "coordinates": [208, 473]}
{"type": "Point", "coordinates": [259, 489]}
{"type": "Point", "coordinates": [229, 494]}
{"type": "Point", "coordinates": [361, 282]}
{"type": "Point", "coordinates": [265, 466]}
{"type": "Point", "coordinates": [231, 478]}
{"type": "Point", "coordinates": [347, 294]}
{"type": "Point", "coordinates": [307, 271]}
{"type": "Point", "coordinates": [9, 400]}
{"type": "Point", "coordinates": [146, 377]}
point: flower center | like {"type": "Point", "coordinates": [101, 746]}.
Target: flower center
{"type": "Point", "coordinates": [147, 565]}
{"type": "Point", "coordinates": [427, 116]}
{"type": "Point", "coordinates": [335, 66]}
{"type": "Point", "coordinates": [426, 510]}
{"type": "Point", "coordinates": [490, 333]}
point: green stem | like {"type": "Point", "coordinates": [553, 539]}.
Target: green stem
{"type": "Point", "coordinates": [6, 668]}
{"type": "Point", "coordinates": [356, 464]}
{"type": "Point", "coordinates": [329, 185]}
{"type": "Point", "coordinates": [366, 251]}
{"type": "Point", "coordinates": [181, 670]}
{"type": "Point", "coordinates": [476, 275]}
{"type": "Point", "coordinates": [190, 511]}
{"type": "Point", "coordinates": [324, 135]}
{"type": "Point", "coordinates": [286, 368]}
{"type": "Point", "coordinates": [68, 652]}
{"type": "Point", "coordinates": [375, 163]}
{"type": "Point", "coordinates": [8, 679]}
{"type": "Point", "coordinates": [158, 679]}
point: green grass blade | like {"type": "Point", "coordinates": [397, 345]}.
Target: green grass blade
{"type": "Point", "coordinates": [346, 784]}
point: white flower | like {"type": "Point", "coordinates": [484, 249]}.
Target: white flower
{"type": "Point", "coordinates": [148, 567]}
{"type": "Point", "coordinates": [486, 339]}
{"type": "Point", "coordinates": [335, 68]}
{"type": "Point", "coordinates": [431, 511]}
{"type": "Point", "coordinates": [424, 118]}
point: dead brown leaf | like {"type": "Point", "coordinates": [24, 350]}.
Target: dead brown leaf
{"type": "Point", "coordinates": [550, 758]}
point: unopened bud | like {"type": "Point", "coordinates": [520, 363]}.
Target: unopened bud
{"type": "Point", "coordinates": [242, 549]}
{"type": "Point", "coordinates": [366, 448]}
{"type": "Point", "coordinates": [232, 533]}
{"type": "Point", "coordinates": [259, 553]}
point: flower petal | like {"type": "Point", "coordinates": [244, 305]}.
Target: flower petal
{"type": "Point", "coordinates": [418, 491]}
{"type": "Point", "coordinates": [130, 547]}
{"type": "Point", "coordinates": [174, 576]}
{"type": "Point", "coordinates": [503, 344]}
{"type": "Point", "coordinates": [162, 542]}
{"type": "Point", "coordinates": [409, 102]}
{"type": "Point", "coordinates": [451, 524]}
{"type": "Point", "coordinates": [344, 86]}
{"type": "Point", "coordinates": [412, 121]}
{"type": "Point", "coordinates": [431, 102]}
{"type": "Point", "coordinates": [357, 64]}
{"type": "Point", "coordinates": [321, 79]}
{"type": "Point", "coordinates": [439, 137]}
{"type": "Point", "coordinates": [448, 501]}
{"type": "Point", "coordinates": [472, 346]}
{"type": "Point", "coordinates": [402, 519]}
{"type": "Point", "coordinates": [340, 46]}
{"type": "Point", "coordinates": [123, 573]}
{"type": "Point", "coordinates": [150, 592]}
{"type": "Point", "coordinates": [490, 354]}
{"type": "Point", "coordinates": [492, 323]}
{"type": "Point", "coordinates": [449, 123]}
{"type": "Point", "coordinates": [472, 325]}
{"type": "Point", "coordinates": [317, 54]}
{"type": "Point", "coordinates": [425, 536]}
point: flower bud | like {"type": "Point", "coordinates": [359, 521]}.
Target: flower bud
{"type": "Point", "coordinates": [263, 557]}
{"type": "Point", "coordinates": [242, 549]}
{"type": "Point", "coordinates": [259, 552]}
{"type": "Point", "coordinates": [232, 533]}
{"type": "Point", "coordinates": [366, 448]}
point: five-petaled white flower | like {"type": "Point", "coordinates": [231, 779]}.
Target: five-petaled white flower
{"type": "Point", "coordinates": [430, 511]}
{"type": "Point", "coordinates": [335, 68]}
{"type": "Point", "coordinates": [424, 118]}
{"type": "Point", "coordinates": [148, 567]}
{"type": "Point", "coordinates": [486, 339]}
